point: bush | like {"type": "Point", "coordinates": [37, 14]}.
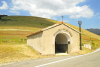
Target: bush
{"type": "Point", "coordinates": [93, 44]}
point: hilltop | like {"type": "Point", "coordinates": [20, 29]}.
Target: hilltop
{"type": "Point", "coordinates": [25, 22]}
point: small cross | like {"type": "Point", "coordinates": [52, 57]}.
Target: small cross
{"type": "Point", "coordinates": [62, 18]}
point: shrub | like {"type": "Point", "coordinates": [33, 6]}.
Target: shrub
{"type": "Point", "coordinates": [93, 44]}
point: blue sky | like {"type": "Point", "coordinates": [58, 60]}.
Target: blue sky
{"type": "Point", "coordinates": [87, 11]}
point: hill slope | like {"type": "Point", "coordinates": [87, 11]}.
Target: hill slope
{"type": "Point", "coordinates": [13, 31]}
{"type": "Point", "coordinates": [33, 24]}
{"type": "Point", "coordinates": [25, 22]}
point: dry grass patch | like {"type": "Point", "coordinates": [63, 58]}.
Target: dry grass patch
{"type": "Point", "coordinates": [86, 50]}
{"type": "Point", "coordinates": [9, 53]}
{"type": "Point", "coordinates": [15, 53]}
{"type": "Point", "coordinates": [83, 51]}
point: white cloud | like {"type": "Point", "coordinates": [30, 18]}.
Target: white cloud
{"type": "Point", "coordinates": [15, 12]}
{"type": "Point", "coordinates": [4, 6]}
{"type": "Point", "coordinates": [50, 8]}
{"type": "Point", "coordinates": [54, 18]}
{"type": "Point", "coordinates": [98, 17]}
{"type": "Point", "coordinates": [96, 14]}
{"type": "Point", "coordinates": [66, 20]}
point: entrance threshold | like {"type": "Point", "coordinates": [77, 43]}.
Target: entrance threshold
{"type": "Point", "coordinates": [58, 54]}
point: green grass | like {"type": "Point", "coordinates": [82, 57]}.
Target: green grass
{"type": "Point", "coordinates": [18, 22]}
{"type": "Point", "coordinates": [13, 31]}
{"type": "Point", "coordinates": [13, 37]}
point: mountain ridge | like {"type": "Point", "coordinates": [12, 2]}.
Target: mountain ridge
{"type": "Point", "coordinates": [95, 31]}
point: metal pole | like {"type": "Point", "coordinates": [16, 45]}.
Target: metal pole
{"type": "Point", "coordinates": [80, 36]}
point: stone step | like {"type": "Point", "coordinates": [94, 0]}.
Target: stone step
{"type": "Point", "coordinates": [61, 54]}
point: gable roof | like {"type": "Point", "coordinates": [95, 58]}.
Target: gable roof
{"type": "Point", "coordinates": [44, 29]}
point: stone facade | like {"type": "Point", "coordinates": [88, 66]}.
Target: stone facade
{"type": "Point", "coordinates": [57, 38]}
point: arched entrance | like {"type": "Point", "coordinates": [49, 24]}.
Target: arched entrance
{"type": "Point", "coordinates": [61, 43]}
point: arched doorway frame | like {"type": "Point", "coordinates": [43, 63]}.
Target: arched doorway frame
{"type": "Point", "coordinates": [68, 36]}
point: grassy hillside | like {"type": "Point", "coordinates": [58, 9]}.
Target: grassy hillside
{"type": "Point", "coordinates": [25, 22]}
{"type": "Point", "coordinates": [13, 31]}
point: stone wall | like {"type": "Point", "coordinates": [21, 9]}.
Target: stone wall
{"type": "Point", "coordinates": [50, 35]}
{"type": "Point", "coordinates": [35, 41]}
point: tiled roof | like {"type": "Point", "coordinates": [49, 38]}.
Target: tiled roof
{"type": "Point", "coordinates": [34, 33]}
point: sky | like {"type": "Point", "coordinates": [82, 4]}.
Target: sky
{"type": "Point", "coordinates": [88, 11]}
